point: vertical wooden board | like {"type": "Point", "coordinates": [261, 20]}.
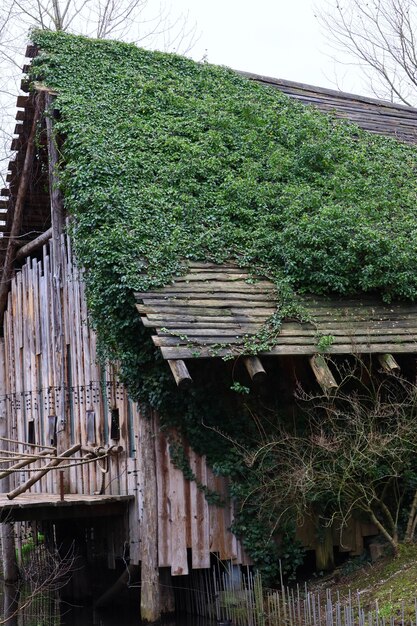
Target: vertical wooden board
{"type": "Point", "coordinates": [85, 373]}
{"type": "Point", "coordinates": [10, 364]}
{"type": "Point", "coordinates": [79, 358]}
{"type": "Point", "coordinates": [17, 313]}
{"type": "Point", "coordinates": [200, 531]}
{"type": "Point", "coordinates": [75, 472]}
{"type": "Point", "coordinates": [52, 374]}
{"type": "Point", "coordinates": [97, 395]}
{"type": "Point", "coordinates": [164, 503]}
{"type": "Point", "coordinates": [235, 543]}
{"type": "Point", "coordinates": [45, 363]}
{"type": "Point", "coordinates": [134, 526]}
{"type": "Point", "coordinates": [215, 544]}
{"type": "Point", "coordinates": [34, 339]}
{"type": "Point", "coordinates": [27, 317]}
{"type": "Point", "coordinates": [74, 373]}
{"type": "Point", "coordinates": [124, 436]}
{"type": "Point", "coordinates": [187, 498]}
{"type": "Point", "coordinates": [37, 269]}
{"type": "Point", "coordinates": [179, 563]}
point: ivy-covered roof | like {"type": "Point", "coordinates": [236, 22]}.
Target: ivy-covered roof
{"type": "Point", "coordinates": [166, 160]}
{"type": "Point", "coordinates": [220, 310]}
{"type": "Point", "coordinates": [376, 116]}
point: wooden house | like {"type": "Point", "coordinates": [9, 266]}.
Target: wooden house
{"type": "Point", "coordinates": [85, 460]}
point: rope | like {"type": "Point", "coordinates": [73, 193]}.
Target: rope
{"type": "Point", "coordinates": [57, 467]}
{"type": "Point", "coordinates": [26, 443]}
{"type": "Point", "coordinates": [16, 456]}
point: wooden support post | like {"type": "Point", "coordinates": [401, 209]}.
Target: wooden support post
{"type": "Point", "coordinates": [255, 368]}
{"type": "Point", "coordinates": [180, 372]}
{"type": "Point", "coordinates": [34, 479]}
{"type": "Point", "coordinates": [18, 210]}
{"type": "Point", "coordinates": [388, 363]}
{"type": "Point", "coordinates": [324, 550]}
{"type": "Point", "coordinates": [61, 486]}
{"type": "Point", "coordinates": [166, 591]}
{"type": "Point", "coordinates": [33, 245]}
{"type": "Point", "coordinates": [150, 607]}
{"type": "Point", "coordinates": [58, 222]}
{"type": "Point", "coordinates": [322, 373]}
{"type": "Point", "coordinates": [10, 567]}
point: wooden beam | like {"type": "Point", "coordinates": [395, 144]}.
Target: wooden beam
{"type": "Point", "coordinates": [180, 372]}
{"type": "Point", "coordinates": [388, 363]}
{"type": "Point", "coordinates": [33, 245]}
{"type": "Point", "coordinates": [18, 210]}
{"type": "Point", "coordinates": [255, 368]}
{"type": "Point", "coordinates": [322, 373]}
{"type": "Point", "coordinates": [34, 479]}
{"type": "Point", "coordinates": [23, 463]}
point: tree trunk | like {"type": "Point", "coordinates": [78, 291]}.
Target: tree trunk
{"type": "Point", "coordinates": [412, 520]}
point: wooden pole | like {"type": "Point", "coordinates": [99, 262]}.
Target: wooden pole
{"type": "Point", "coordinates": [33, 245]}
{"type": "Point", "coordinates": [34, 479]}
{"type": "Point", "coordinates": [255, 368]}
{"type": "Point", "coordinates": [21, 464]}
{"type": "Point", "coordinates": [388, 363]}
{"type": "Point", "coordinates": [322, 373]}
{"type": "Point", "coordinates": [180, 372]}
{"type": "Point", "coordinates": [57, 226]}
{"type": "Point", "coordinates": [18, 209]}
{"type": "Point", "coordinates": [10, 567]}
{"type": "Point", "coordinates": [150, 607]}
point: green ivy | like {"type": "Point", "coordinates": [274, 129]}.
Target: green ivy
{"type": "Point", "coordinates": [167, 160]}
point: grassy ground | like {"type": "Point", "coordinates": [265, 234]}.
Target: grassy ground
{"type": "Point", "coordinates": [390, 583]}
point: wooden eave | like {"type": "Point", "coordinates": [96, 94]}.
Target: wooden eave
{"type": "Point", "coordinates": [376, 116]}
{"type": "Point", "coordinates": [36, 216]}
{"type": "Point", "coordinates": [213, 310]}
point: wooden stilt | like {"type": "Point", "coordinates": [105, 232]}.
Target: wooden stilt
{"type": "Point", "coordinates": [324, 551]}
{"type": "Point", "coordinates": [166, 591]}
{"type": "Point", "coordinates": [150, 606]}
{"type": "Point", "coordinates": [255, 368]}
{"type": "Point", "coordinates": [10, 567]}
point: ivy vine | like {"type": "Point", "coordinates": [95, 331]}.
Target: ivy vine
{"type": "Point", "coordinates": [166, 160]}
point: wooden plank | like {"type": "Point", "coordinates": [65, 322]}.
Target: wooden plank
{"type": "Point", "coordinates": [348, 348]}
{"type": "Point", "coordinates": [179, 562]}
{"type": "Point", "coordinates": [185, 309]}
{"type": "Point", "coordinates": [290, 330]}
{"type": "Point", "coordinates": [164, 506]}
{"type": "Point", "coordinates": [200, 527]}
{"type": "Point", "coordinates": [281, 340]}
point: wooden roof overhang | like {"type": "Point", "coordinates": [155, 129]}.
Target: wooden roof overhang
{"type": "Point", "coordinates": [376, 116]}
{"type": "Point", "coordinates": [214, 311]}
{"type": "Point", "coordinates": [36, 213]}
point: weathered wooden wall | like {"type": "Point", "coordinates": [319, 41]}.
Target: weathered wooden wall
{"type": "Point", "coordinates": [81, 396]}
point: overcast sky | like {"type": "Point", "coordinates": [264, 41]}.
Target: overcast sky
{"type": "Point", "coordinates": [279, 38]}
